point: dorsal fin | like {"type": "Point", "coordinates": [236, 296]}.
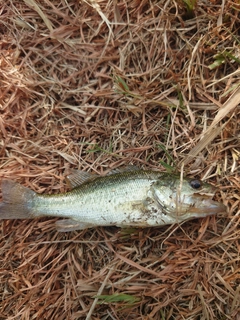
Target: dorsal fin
{"type": "Point", "coordinates": [127, 168]}
{"type": "Point", "coordinates": [78, 177]}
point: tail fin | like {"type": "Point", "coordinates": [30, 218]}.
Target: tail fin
{"type": "Point", "coordinates": [17, 201]}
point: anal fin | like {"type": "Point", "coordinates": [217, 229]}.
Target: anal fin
{"type": "Point", "coordinates": [67, 225]}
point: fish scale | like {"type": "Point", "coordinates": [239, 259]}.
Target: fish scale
{"type": "Point", "coordinates": [111, 200]}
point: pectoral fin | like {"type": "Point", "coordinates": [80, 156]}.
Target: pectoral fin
{"type": "Point", "coordinates": [148, 206]}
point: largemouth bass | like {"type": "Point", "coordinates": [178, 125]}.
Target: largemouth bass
{"type": "Point", "coordinates": [138, 198]}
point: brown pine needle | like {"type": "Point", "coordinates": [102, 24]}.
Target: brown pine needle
{"type": "Point", "coordinates": [98, 85]}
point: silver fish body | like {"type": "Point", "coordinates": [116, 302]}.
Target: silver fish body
{"type": "Point", "coordinates": [137, 198]}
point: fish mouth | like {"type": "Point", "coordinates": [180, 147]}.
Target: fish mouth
{"type": "Point", "coordinates": [203, 204]}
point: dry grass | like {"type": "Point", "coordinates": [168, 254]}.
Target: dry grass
{"type": "Point", "coordinates": [97, 85]}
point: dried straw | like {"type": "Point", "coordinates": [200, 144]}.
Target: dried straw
{"type": "Point", "coordinates": [97, 85]}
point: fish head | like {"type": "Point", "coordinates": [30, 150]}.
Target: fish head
{"type": "Point", "coordinates": [186, 198]}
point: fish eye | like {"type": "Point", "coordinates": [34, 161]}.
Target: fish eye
{"type": "Point", "coordinates": [195, 184]}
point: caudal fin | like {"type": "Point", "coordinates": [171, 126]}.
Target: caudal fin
{"type": "Point", "coordinates": [17, 201]}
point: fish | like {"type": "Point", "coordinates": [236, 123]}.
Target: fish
{"type": "Point", "coordinates": [130, 198]}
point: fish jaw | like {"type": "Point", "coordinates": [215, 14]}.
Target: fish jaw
{"type": "Point", "coordinates": [203, 205]}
